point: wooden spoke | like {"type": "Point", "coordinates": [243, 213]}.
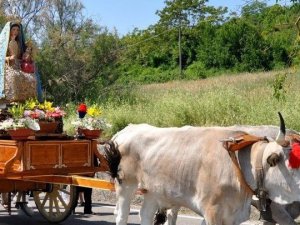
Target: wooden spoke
{"type": "Point", "coordinates": [57, 205]}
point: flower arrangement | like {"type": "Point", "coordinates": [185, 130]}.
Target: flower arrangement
{"type": "Point", "coordinates": [90, 118]}
{"type": "Point", "coordinates": [42, 111]}
{"type": "Point", "coordinates": [14, 124]}
{"type": "Point", "coordinates": [18, 119]}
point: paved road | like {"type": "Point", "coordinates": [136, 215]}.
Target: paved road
{"type": "Point", "coordinates": [103, 215]}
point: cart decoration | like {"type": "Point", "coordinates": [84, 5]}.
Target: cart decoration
{"type": "Point", "coordinates": [50, 165]}
{"type": "Point", "coordinates": [90, 122]}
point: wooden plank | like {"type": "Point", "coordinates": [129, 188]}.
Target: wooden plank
{"type": "Point", "coordinates": [20, 185]}
{"type": "Point", "coordinates": [19, 159]}
{"type": "Point", "coordinates": [72, 180]}
{"type": "Point", "coordinates": [41, 156]}
{"type": "Point", "coordinates": [93, 183]}
{"type": "Point", "coordinates": [10, 156]}
{"type": "Point", "coordinates": [55, 155]}
{"type": "Point", "coordinates": [76, 155]}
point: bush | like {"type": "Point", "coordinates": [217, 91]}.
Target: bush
{"type": "Point", "coordinates": [195, 71]}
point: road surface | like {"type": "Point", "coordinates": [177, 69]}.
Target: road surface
{"type": "Point", "coordinates": [103, 216]}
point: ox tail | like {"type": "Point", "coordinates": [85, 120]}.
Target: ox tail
{"type": "Point", "coordinates": [113, 158]}
{"type": "Point", "coordinates": [160, 217]}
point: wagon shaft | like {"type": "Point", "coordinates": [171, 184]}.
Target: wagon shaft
{"type": "Point", "coordinates": [72, 180]}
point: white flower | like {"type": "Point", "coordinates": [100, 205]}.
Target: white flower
{"type": "Point", "coordinates": [77, 123]}
{"type": "Point", "coordinates": [6, 124]}
{"type": "Point", "coordinates": [19, 123]}
{"type": "Point", "coordinates": [91, 123]}
{"type": "Point", "coordinates": [32, 124]}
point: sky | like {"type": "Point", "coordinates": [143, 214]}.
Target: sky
{"type": "Point", "coordinates": [125, 15]}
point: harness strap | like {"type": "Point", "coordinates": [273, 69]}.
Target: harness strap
{"type": "Point", "coordinates": [238, 171]}
{"type": "Point", "coordinates": [260, 191]}
{"type": "Point", "coordinates": [238, 143]}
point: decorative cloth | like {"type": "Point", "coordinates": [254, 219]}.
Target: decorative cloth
{"type": "Point", "coordinates": [22, 86]}
{"type": "Point", "coordinates": [4, 39]}
{"type": "Point", "coordinates": [294, 160]}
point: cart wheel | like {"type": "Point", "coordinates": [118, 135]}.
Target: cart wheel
{"type": "Point", "coordinates": [27, 210]}
{"type": "Point", "coordinates": [23, 204]}
{"type": "Point", "coordinates": [57, 205]}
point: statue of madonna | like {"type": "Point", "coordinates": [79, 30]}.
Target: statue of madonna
{"type": "Point", "coordinates": [16, 85]}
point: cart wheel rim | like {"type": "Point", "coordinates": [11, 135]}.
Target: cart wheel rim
{"type": "Point", "coordinates": [57, 205]}
{"type": "Point", "coordinates": [22, 204]}
{"type": "Point", "coordinates": [27, 210]}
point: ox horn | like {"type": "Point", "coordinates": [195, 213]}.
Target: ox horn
{"type": "Point", "coordinates": [280, 139]}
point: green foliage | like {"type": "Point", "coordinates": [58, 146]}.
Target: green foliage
{"type": "Point", "coordinates": [195, 71]}
{"type": "Point", "coordinates": [217, 101]}
{"type": "Point", "coordinates": [17, 111]}
{"type": "Point", "coordinates": [140, 74]}
{"type": "Point", "coordinates": [279, 89]}
{"type": "Point", "coordinates": [239, 45]}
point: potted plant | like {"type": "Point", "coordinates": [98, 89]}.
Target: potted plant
{"type": "Point", "coordinates": [48, 116]}
{"type": "Point", "coordinates": [19, 127]}
{"type": "Point", "coordinates": [90, 123]}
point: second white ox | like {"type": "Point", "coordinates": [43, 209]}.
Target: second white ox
{"type": "Point", "coordinates": [281, 214]}
{"type": "Point", "coordinates": [190, 167]}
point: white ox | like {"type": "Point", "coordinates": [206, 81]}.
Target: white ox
{"type": "Point", "coordinates": [189, 167]}
{"type": "Point", "coordinates": [281, 214]}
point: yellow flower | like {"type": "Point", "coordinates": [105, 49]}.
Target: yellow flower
{"type": "Point", "coordinates": [94, 111]}
{"type": "Point", "coordinates": [46, 106]}
{"type": "Point", "coordinates": [31, 104]}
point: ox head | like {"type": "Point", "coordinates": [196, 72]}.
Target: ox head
{"type": "Point", "coordinates": [282, 179]}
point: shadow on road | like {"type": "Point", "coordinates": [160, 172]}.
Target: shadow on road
{"type": "Point", "coordinates": [103, 216]}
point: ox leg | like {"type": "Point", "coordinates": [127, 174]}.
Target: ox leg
{"type": "Point", "coordinates": [212, 217]}
{"type": "Point", "coordinates": [148, 210]}
{"type": "Point", "coordinates": [172, 216]}
{"type": "Point", "coordinates": [124, 193]}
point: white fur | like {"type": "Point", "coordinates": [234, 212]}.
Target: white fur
{"type": "Point", "coordinates": [189, 167]}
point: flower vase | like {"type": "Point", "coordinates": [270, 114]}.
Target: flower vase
{"type": "Point", "coordinates": [90, 134]}
{"type": "Point", "coordinates": [20, 134]}
{"type": "Point", "coordinates": [47, 127]}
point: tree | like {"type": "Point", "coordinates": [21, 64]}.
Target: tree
{"type": "Point", "coordinates": [239, 45]}
{"type": "Point", "coordinates": [64, 53]}
{"type": "Point", "coordinates": [25, 10]}
{"type": "Point", "coordinates": [76, 55]}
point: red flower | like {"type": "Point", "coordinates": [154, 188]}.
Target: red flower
{"type": "Point", "coordinates": [82, 108]}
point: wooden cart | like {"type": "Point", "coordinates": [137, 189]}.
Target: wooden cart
{"type": "Point", "coordinates": [51, 169]}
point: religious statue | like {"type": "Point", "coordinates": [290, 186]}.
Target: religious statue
{"type": "Point", "coordinates": [18, 78]}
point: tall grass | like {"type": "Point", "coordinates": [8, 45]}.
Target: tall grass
{"type": "Point", "coordinates": [225, 100]}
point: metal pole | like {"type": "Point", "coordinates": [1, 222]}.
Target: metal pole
{"type": "Point", "coordinates": [179, 45]}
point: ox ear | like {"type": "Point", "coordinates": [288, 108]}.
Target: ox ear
{"type": "Point", "coordinates": [280, 139]}
{"type": "Point", "coordinates": [273, 159]}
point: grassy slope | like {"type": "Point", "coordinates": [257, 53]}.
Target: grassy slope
{"type": "Point", "coordinates": [224, 100]}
